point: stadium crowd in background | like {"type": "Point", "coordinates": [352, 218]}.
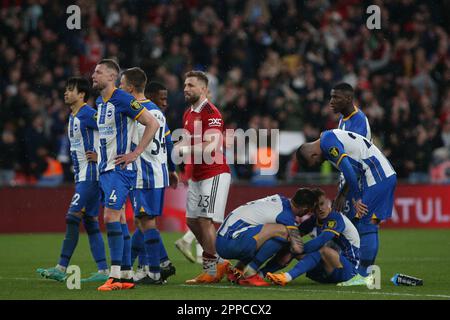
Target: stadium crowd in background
{"type": "Point", "coordinates": [271, 65]}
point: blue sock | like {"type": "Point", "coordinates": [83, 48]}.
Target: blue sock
{"type": "Point", "coordinates": [152, 240]}
{"type": "Point", "coordinates": [163, 257]}
{"type": "Point", "coordinates": [137, 248]}
{"type": "Point", "coordinates": [126, 257]}
{"type": "Point", "coordinates": [115, 241]}
{"type": "Point", "coordinates": [368, 251]}
{"type": "Point", "coordinates": [267, 250]}
{"type": "Point", "coordinates": [309, 262]}
{"type": "Point", "coordinates": [71, 239]}
{"type": "Point", "coordinates": [95, 242]}
{"type": "Point", "coordinates": [272, 266]}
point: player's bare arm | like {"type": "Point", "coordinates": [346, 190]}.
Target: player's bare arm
{"type": "Point", "coordinates": [296, 240]}
{"type": "Point", "coordinates": [339, 201]}
{"type": "Point", "coordinates": [151, 126]}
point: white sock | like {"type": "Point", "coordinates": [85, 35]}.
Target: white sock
{"type": "Point", "coordinates": [61, 268]}
{"type": "Point", "coordinates": [210, 266]}
{"type": "Point", "coordinates": [188, 237]}
{"type": "Point", "coordinates": [219, 259]}
{"type": "Point", "coordinates": [288, 276]}
{"type": "Point", "coordinates": [165, 264]}
{"type": "Point", "coordinates": [127, 274]}
{"type": "Point", "coordinates": [154, 276]}
{"type": "Point", "coordinates": [115, 272]}
{"type": "Point", "coordinates": [249, 271]}
{"type": "Point", "coordinates": [105, 271]}
{"type": "Point", "coordinates": [198, 249]}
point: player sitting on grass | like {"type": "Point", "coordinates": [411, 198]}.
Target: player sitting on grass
{"type": "Point", "coordinates": [256, 231]}
{"type": "Point", "coordinates": [371, 179]}
{"type": "Point", "coordinates": [320, 261]}
{"type": "Point", "coordinates": [85, 203]}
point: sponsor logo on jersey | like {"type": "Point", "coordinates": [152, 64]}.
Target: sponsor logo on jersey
{"type": "Point", "coordinates": [215, 122]}
{"type": "Point", "coordinates": [135, 105]}
{"type": "Point", "coordinates": [331, 224]}
{"type": "Point", "coordinates": [334, 152]}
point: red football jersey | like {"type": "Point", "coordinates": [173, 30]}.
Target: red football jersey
{"type": "Point", "coordinates": [210, 118]}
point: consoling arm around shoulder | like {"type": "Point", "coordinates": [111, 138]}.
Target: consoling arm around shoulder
{"type": "Point", "coordinates": [317, 243]}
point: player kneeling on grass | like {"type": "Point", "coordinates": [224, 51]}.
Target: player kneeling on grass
{"type": "Point", "coordinates": [320, 261]}
{"type": "Point", "coordinates": [256, 231]}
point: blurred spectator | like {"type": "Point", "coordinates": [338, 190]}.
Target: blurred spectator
{"type": "Point", "coordinates": [8, 156]}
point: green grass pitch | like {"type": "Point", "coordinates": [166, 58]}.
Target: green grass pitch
{"type": "Point", "coordinates": [421, 253]}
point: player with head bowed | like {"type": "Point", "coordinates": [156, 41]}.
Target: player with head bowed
{"type": "Point", "coordinates": [117, 112]}
{"type": "Point", "coordinates": [320, 261]}
{"type": "Point", "coordinates": [258, 230]}
{"type": "Point", "coordinates": [351, 119]}
{"type": "Point", "coordinates": [371, 178]}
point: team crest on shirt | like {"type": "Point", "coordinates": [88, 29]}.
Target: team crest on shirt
{"type": "Point", "coordinates": [95, 116]}
{"type": "Point", "coordinates": [334, 152]}
{"type": "Point", "coordinates": [331, 224]}
{"type": "Point", "coordinates": [135, 105]}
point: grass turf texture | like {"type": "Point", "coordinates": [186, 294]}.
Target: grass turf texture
{"type": "Point", "coordinates": [420, 253]}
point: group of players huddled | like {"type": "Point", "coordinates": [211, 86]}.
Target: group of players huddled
{"type": "Point", "coordinates": [123, 149]}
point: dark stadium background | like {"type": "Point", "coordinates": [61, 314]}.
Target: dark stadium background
{"type": "Point", "coordinates": [271, 66]}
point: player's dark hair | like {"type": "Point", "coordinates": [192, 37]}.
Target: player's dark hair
{"type": "Point", "coordinates": [81, 84]}
{"type": "Point", "coordinates": [136, 77]}
{"type": "Point", "coordinates": [304, 197]}
{"type": "Point", "coordinates": [154, 87]}
{"type": "Point", "coordinates": [318, 192]}
{"type": "Point", "coordinates": [111, 64]}
{"type": "Point", "coordinates": [200, 75]}
{"type": "Point", "coordinates": [343, 86]}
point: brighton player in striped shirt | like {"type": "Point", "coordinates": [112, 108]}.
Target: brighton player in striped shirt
{"type": "Point", "coordinates": [85, 203]}
{"type": "Point", "coordinates": [152, 178]}
{"type": "Point", "coordinates": [370, 176]}
{"type": "Point", "coordinates": [117, 112]}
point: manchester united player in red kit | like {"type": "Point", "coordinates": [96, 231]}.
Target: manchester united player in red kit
{"type": "Point", "coordinates": [210, 179]}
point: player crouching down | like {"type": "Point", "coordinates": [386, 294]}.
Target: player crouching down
{"type": "Point", "coordinates": [320, 260]}
{"type": "Point", "coordinates": [256, 231]}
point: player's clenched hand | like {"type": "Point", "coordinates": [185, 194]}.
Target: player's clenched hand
{"type": "Point", "coordinates": [91, 156]}
{"type": "Point", "coordinates": [126, 159]}
{"type": "Point", "coordinates": [173, 180]}
{"type": "Point", "coordinates": [361, 208]}
{"type": "Point", "coordinates": [296, 241]}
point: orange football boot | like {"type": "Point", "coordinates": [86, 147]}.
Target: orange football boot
{"type": "Point", "coordinates": [221, 270]}
{"type": "Point", "coordinates": [110, 285]}
{"type": "Point", "coordinates": [254, 280]}
{"type": "Point", "coordinates": [277, 278]}
{"type": "Point", "coordinates": [234, 274]}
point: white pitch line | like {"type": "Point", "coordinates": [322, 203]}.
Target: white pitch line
{"type": "Point", "coordinates": [286, 289]}
{"type": "Point", "coordinates": [326, 291]}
